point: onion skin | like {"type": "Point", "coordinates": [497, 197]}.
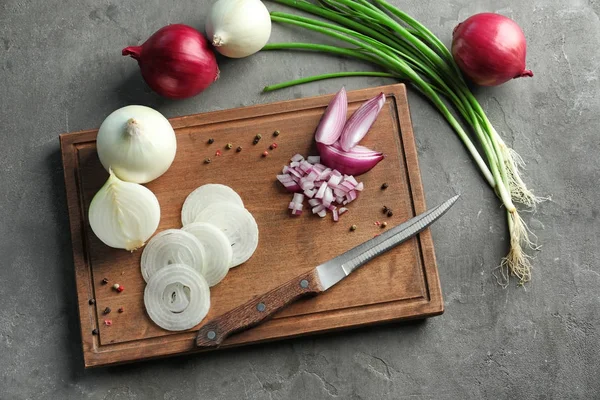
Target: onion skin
{"type": "Point", "coordinates": [490, 49]}
{"type": "Point", "coordinates": [176, 61]}
{"type": "Point", "coordinates": [349, 163]}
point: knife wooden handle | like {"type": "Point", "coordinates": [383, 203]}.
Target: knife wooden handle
{"type": "Point", "coordinates": [258, 309]}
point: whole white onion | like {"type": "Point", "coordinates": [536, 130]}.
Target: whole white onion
{"type": "Point", "coordinates": [238, 28]}
{"type": "Point", "coordinates": [137, 143]}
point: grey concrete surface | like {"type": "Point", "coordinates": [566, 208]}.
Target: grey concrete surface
{"type": "Point", "coordinates": [61, 70]}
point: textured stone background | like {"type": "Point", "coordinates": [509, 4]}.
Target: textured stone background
{"type": "Point", "coordinates": [61, 71]}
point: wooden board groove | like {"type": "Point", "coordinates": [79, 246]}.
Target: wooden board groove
{"type": "Point", "coordinates": [399, 285]}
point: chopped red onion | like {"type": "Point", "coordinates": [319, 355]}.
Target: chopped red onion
{"type": "Point", "coordinates": [313, 159]}
{"type": "Point", "coordinates": [310, 193]}
{"type": "Point", "coordinates": [297, 157]}
{"type": "Point", "coordinates": [321, 191]}
{"type": "Point", "coordinates": [323, 187]}
{"type": "Point", "coordinates": [298, 198]}
{"type": "Point", "coordinates": [351, 179]}
{"type": "Point", "coordinates": [318, 209]}
{"type": "Point", "coordinates": [325, 174]}
{"type": "Point", "coordinates": [336, 216]}
{"type": "Point", "coordinates": [351, 196]}
{"type": "Point", "coordinates": [339, 192]}
{"type": "Point", "coordinates": [319, 167]}
{"type": "Point", "coordinates": [334, 180]}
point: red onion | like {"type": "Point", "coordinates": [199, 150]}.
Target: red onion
{"type": "Point", "coordinates": [176, 61]}
{"type": "Point", "coordinates": [360, 122]}
{"type": "Point", "coordinates": [490, 49]}
{"type": "Point", "coordinates": [333, 119]}
{"type": "Point", "coordinates": [349, 162]}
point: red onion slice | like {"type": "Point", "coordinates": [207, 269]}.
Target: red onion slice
{"type": "Point", "coordinates": [351, 163]}
{"type": "Point", "coordinates": [333, 119]}
{"type": "Point", "coordinates": [360, 122]}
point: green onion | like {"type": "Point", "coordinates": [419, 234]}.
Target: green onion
{"type": "Point", "coordinates": [381, 34]}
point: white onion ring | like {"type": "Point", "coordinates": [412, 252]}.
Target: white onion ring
{"type": "Point", "coordinates": [204, 196]}
{"type": "Point", "coordinates": [218, 254]}
{"type": "Point", "coordinates": [169, 314]}
{"type": "Point", "coordinates": [172, 246]}
{"type": "Point", "coordinates": [237, 224]}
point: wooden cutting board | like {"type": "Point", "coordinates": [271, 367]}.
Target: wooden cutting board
{"type": "Point", "coordinates": [402, 284]}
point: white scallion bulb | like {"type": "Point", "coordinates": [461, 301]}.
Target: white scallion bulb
{"type": "Point", "coordinates": [123, 214]}
{"type": "Point", "coordinates": [238, 28]}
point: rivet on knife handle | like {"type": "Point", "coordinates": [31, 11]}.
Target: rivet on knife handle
{"type": "Point", "coordinates": [258, 309]}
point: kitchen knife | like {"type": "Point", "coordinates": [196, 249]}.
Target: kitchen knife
{"type": "Point", "coordinates": [315, 281]}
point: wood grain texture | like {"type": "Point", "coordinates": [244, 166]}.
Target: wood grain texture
{"type": "Point", "coordinates": [401, 284]}
{"type": "Point", "coordinates": [258, 309]}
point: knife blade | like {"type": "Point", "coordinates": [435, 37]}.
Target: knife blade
{"type": "Point", "coordinates": [315, 281]}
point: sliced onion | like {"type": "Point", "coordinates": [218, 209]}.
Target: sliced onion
{"type": "Point", "coordinates": [180, 297]}
{"type": "Point", "coordinates": [172, 246]}
{"type": "Point", "coordinates": [238, 225]}
{"type": "Point", "coordinates": [351, 163]}
{"type": "Point", "coordinates": [333, 119]}
{"type": "Point", "coordinates": [163, 297]}
{"type": "Point", "coordinates": [360, 122]}
{"type": "Point", "coordinates": [218, 255]}
{"type": "Point", "coordinates": [204, 196]}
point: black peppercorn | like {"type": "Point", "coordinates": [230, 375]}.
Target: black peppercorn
{"type": "Point", "coordinates": [94, 331]}
{"type": "Point", "coordinates": [390, 213]}
{"type": "Point", "coordinates": [239, 149]}
{"type": "Point", "coordinates": [92, 302]}
{"type": "Point", "coordinates": [384, 186]}
{"type": "Point", "coordinates": [104, 281]}
{"type": "Point", "coordinates": [211, 141]}
{"type": "Point", "coordinates": [107, 310]}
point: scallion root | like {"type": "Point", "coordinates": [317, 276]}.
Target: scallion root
{"type": "Point", "coordinates": [513, 163]}
{"type": "Point", "coordinates": [517, 262]}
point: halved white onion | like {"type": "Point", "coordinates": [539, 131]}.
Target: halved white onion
{"type": "Point", "coordinates": [218, 255]}
{"type": "Point", "coordinates": [237, 224]}
{"type": "Point", "coordinates": [124, 215]}
{"type": "Point", "coordinates": [163, 297]}
{"type": "Point", "coordinates": [204, 196]}
{"type": "Point", "coordinates": [172, 246]}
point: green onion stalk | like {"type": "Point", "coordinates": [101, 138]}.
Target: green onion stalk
{"type": "Point", "coordinates": [381, 34]}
